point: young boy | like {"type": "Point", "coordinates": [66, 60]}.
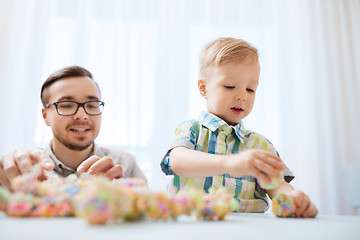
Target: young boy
{"type": "Point", "coordinates": [216, 150]}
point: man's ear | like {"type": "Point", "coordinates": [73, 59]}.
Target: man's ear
{"type": "Point", "coordinates": [44, 114]}
{"type": "Point", "coordinates": [202, 88]}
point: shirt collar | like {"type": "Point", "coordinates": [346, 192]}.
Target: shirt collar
{"type": "Point", "coordinates": [59, 166]}
{"type": "Point", "coordinates": [213, 123]}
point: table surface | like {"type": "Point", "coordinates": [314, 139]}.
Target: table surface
{"type": "Point", "coordinates": [235, 226]}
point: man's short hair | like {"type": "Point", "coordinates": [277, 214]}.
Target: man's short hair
{"type": "Point", "coordinates": [225, 50]}
{"type": "Point", "coordinates": [71, 71]}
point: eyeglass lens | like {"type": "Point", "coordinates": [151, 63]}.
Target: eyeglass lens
{"type": "Point", "coordinates": [69, 108]}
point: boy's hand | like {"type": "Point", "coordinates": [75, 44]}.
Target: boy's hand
{"type": "Point", "coordinates": [101, 166]}
{"type": "Point", "coordinates": [22, 161]}
{"type": "Point", "coordinates": [254, 162]}
{"type": "Point", "coordinates": [304, 207]}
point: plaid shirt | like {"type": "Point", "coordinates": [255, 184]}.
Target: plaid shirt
{"type": "Point", "coordinates": [213, 135]}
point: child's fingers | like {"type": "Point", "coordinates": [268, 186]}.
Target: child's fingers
{"type": "Point", "coordinates": [260, 175]}
{"type": "Point", "coordinates": [266, 168]}
{"type": "Point", "coordinates": [302, 202]}
{"type": "Point", "coordinates": [304, 205]}
{"type": "Point", "coordinates": [310, 212]}
{"type": "Point", "coordinates": [269, 155]}
{"type": "Point", "coordinates": [279, 166]}
{"type": "Point", "coordinates": [269, 164]}
{"type": "Point", "coordinates": [270, 159]}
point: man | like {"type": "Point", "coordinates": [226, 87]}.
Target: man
{"type": "Point", "coordinates": [72, 107]}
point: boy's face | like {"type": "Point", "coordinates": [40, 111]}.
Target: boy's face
{"type": "Point", "coordinates": [76, 132]}
{"type": "Point", "coordinates": [229, 89]}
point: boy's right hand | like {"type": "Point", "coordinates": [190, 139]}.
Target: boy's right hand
{"type": "Point", "coordinates": [22, 161]}
{"type": "Point", "coordinates": [254, 162]}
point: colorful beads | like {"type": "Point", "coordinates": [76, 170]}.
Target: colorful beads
{"type": "Point", "coordinates": [100, 200]}
{"type": "Point", "coordinates": [133, 203]}
{"type": "Point", "coordinates": [4, 198]}
{"type": "Point", "coordinates": [283, 206]}
{"type": "Point", "coordinates": [275, 182]}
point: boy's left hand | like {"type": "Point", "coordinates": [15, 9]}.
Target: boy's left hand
{"type": "Point", "coordinates": [304, 207]}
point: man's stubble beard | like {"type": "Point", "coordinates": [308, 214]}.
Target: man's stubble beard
{"type": "Point", "coordinates": [75, 147]}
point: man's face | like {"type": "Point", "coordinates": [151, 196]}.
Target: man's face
{"type": "Point", "coordinates": [76, 132]}
{"type": "Point", "coordinates": [229, 89]}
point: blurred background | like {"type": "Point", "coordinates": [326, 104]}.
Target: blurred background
{"type": "Point", "coordinates": [144, 55]}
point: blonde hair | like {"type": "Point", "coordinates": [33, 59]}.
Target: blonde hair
{"type": "Point", "coordinates": [225, 50]}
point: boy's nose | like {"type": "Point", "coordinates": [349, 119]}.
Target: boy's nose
{"type": "Point", "coordinates": [240, 95]}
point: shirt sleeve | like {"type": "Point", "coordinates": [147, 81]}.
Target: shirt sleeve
{"type": "Point", "coordinates": [260, 142]}
{"type": "Point", "coordinates": [185, 136]}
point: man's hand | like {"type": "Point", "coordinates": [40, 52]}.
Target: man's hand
{"type": "Point", "coordinates": [254, 162]}
{"type": "Point", "coordinates": [95, 165]}
{"type": "Point", "coordinates": [22, 161]}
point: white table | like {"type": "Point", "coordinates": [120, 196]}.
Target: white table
{"type": "Point", "coordinates": [235, 226]}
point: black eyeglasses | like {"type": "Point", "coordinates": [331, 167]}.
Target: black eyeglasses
{"type": "Point", "coordinates": [69, 108]}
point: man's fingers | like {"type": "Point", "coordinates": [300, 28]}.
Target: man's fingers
{"type": "Point", "coordinates": [96, 165]}
{"type": "Point", "coordinates": [115, 172]}
{"type": "Point", "coordinates": [9, 167]}
{"type": "Point", "coordinates": [3, 179]}
{"type": "Point", "coordinates": [40, 156]}
{"type": "Point", "coordinates": [85, 165]}
{"type": "Point", "coordinates": [42, 176]}
{"type": "Point", "coordinates": [101, 166]}
{"type": "Point", "coordinates": [23, 161]}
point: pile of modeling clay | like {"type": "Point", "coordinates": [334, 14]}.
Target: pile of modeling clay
{"type": "Point", "coordinates": [283, 206]}
{"type": "Point", "coordinates": [100, 200]}
{"type": "Point", "coordinates": [127, 199]}
{"type": "Point", "coordinates": [32, 198]}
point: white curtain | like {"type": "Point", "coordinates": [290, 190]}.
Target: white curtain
{"type": "Point", "coordinates": [144, 55]}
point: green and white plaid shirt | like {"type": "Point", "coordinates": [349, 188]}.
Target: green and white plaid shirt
{"type": "Point", "coordinates": [213, 135]}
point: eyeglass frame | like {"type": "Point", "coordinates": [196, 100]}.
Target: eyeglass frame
{"type": "Point", "coordinates": [102, 104]}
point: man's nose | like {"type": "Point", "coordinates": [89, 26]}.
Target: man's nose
{"type": "Point", "coordinates": [81, 114]}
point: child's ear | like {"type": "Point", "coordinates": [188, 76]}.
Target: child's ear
{"type": "Point", "coordinates": [202, 88]}
{"type": "Point", "coordinates": [44, 114]}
